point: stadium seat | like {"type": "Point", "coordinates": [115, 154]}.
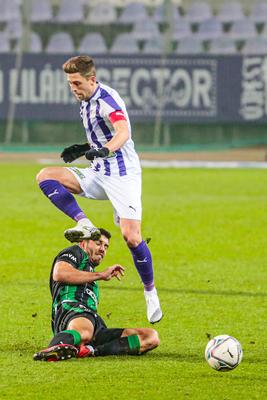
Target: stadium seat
{"type": "Point", "coordinates": [180, 29]}
{"type": "Point", "coordinates": [9, 10]}
{"type": "Point", "coordinates": [198, 11]}
{"type": "Point", "coordinates": [35, 45]}
{"type": "Point", "coordinates": [133, 12]}
{"type": "Point", "coordinates": [70, 12]}
{"type": "Point", "coordinates": [4, 43]}
{"type": "Point", "coordinates": [41, 11]}
{"type": "Point", "coordinates": [230, 12]}
{"type": "Point", "coordinates": [242, 30]}
{"type": "Point", "coordinates": [154, 46]}
{"type": "Point", "coordinates": [14, 29]}
{"type": "Point", "coordinates": [102, 14]}
{"type": "Point", "coordinates": [222, 45]}
{"type": "Point", "coordinates": [190, 45]}
{"type": "Point", "coordinates": [163, 14]}
{"type": "Point", "coordinates": [254, 46]}
{"type": "Point", "coordinates": [264, 30]}
{"type": "Point", "coordinates": [259, 12]}
{"type": "Point", "coordinates": [60, 42]}
{"type": "Point", "coordinates": [93, 43]}
{"type": "Point", "coordinates": [209, 29]}
{"type": "Point", "coordinates": [125, 43]}
{"type": "Point", "coordinates": [151, 3]}
{"type": "Point", "coordinates": [145, 29]}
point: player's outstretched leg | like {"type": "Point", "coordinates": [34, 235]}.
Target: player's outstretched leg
{"type": "Point", "coordinates": [50, 181]}
{"type": "Point", "coordinates": [133, 341]}
{"type": "Point", "coordinates": [131, 231]}
{"type": "Point", "coordinates": [143, 263]}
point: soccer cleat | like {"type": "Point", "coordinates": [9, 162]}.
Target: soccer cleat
{"type": "Point", "coordinates": [59, 352]}
{"type": "Point", "coordinates": [85, 351]}
{"type": "Point", "coordinates": [154, 313]}
{"type": "Point", "coordinates": [79, 233]}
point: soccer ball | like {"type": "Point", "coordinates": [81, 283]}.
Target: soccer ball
{"type": "Point", "coordinates": [223, 353]}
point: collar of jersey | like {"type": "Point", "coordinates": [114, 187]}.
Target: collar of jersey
{"type": "Point", "coordinates": [95, 92]}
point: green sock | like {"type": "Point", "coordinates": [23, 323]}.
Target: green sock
{"type": "Point", "coordinates": [66, 337]}
{"type": "Point", "coordinates": [125, 345]}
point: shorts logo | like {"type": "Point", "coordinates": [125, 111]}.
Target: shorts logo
{"type": "Point", "coordinates": [132, 208]}
{"type": "Point", "coordinates": [78, 172]}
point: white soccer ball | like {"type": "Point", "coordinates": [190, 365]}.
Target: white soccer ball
{"type": "Point", "coordinates": [223, 353]}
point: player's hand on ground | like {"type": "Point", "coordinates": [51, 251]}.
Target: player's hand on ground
{"type": "Point", "coordinates": [73, 152]}
{"type": "Point", "coordinates": [95, 153]}
{"type": "Point", "coordinates": [116, 271]}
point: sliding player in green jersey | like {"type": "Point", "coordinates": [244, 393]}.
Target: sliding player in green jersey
{"type": "Point", "coordinates": [78, 330]}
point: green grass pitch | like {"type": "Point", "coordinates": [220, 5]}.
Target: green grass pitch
{"type": "Point", "coordinates": [208, 230]}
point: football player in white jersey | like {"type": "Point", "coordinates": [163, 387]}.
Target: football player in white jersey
{"type": "Point", "coordinates": [114, 174]}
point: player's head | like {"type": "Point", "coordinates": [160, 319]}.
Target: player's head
{"type": "Point", "coordinates": [97, 249]}
{"type": "Point", "coordinates": [81, 76]}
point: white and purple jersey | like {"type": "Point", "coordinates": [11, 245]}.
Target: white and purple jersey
{"type": "Point", "coordinates": [103, 108]}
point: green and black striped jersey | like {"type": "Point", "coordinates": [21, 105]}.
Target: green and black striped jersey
{"type": "Point", "coordinates": [63, 293]}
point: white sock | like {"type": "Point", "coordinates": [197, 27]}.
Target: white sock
{"type": "Point", "coordinates": [85, 222]}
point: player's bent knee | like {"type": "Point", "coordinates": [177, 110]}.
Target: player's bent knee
{"type": "Point", "coordinates": [44, 174]}
{"type": "Point", "coordinates": [153, 339]}
{"type": "Point", "coordinates": [149, 340]}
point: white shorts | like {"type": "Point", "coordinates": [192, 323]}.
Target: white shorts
{"type": "Point", "coordinates": [124, 192]}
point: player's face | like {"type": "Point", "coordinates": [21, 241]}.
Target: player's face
{"type": "Point", "coordinates": [82, 87]}
{"type": "Point", "coordinates": [97, 249]}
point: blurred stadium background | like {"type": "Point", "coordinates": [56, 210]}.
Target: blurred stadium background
{"type": "Point", "coordinates": [194, 74]}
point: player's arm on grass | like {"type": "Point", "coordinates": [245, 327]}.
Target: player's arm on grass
{"type": "Point", "coordinates": [66, 273]}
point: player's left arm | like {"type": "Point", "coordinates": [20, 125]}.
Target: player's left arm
{"type": "Point", "coordinates": [120, 137]}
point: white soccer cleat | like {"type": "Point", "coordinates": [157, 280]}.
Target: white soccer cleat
{"type": "Point", "coordinates": [81, 232]}
{"type": "Point", "coordinates": [154, 313]}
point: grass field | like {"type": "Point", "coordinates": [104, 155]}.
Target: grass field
{"type": "Point", "coordinates": [208, 230]}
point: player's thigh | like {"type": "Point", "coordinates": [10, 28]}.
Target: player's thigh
{"type": "Point", "coordinates": [62, 175]}
{"type": "Point", "coordinates": [125, 195]}
{"type": "Point", "coordinates": [90, 183]}
{"type": "Point", "coordinates": [83, 325]}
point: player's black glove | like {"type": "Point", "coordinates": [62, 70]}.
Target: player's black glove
{"type": "Point", "coordinates": [95, 153]}
{"type": "Point", "coordinates": [70, 154]}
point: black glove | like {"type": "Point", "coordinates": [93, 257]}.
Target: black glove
{"type": "Point", "coordinates": [95, 153]}
{"type": "Point", "coordinates": [70, 154]}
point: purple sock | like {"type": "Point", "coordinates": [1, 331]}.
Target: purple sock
{"type": "Point", "coordinates": [62, 198]}
{"type": "Point", "coordinates": [143, 263]}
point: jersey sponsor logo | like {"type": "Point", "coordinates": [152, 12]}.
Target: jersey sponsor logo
{"type": "Point", "coordinates": [69, 255]}
{"type": "Point", "coordinates": [92, 295]}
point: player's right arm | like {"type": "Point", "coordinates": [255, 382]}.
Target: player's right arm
{"type": "Point", "coordinates": [65, 273]}
{"type": "Point", "coordinates": [75, 151]}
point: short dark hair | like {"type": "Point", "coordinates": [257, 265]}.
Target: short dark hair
{"type": "Point", "coordinates": [84, 65]}
{"type": "Point", "coordinates": [105, 233]}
